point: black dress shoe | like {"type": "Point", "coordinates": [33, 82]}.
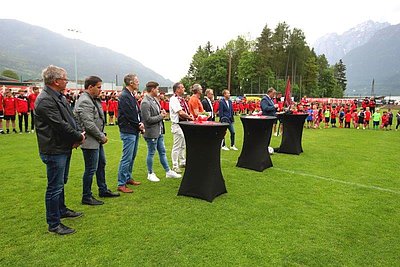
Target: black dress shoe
{"type": "Point", "coordinates": [108, 193]}
{"type": "Point", "coordinates": [71, 214]}
{"type": "Point", "coordinates": [61, 229]}
{"type": "Point", "coordinates": [92, 201]}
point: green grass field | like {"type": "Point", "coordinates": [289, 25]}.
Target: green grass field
{"type": "Point", "coordinates": [338, 203]}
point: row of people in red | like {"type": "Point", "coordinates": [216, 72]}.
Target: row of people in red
{"type": "Point", "coordinates": [21, 104]}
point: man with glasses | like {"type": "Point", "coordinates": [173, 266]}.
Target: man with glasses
{"type": "Point", "coordinates": [57, 133]}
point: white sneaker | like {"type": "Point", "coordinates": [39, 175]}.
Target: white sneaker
{"type": "Point", "coordinates": [172, 174]}
{"type": "Point", "coordinates": [225, 148]}
{"type": "Point", "coordinates": [234, 148]}
{"type": "Point", "coordinates": [152, 177]}
{"type": "Point", "coordinates": [177, 170]}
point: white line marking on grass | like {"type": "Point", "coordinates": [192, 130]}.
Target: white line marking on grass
{"type": "Point", "coordinates": [340, 181]}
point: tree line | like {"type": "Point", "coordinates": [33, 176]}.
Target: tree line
{"type": "Point", "coordinates": [267, 61]}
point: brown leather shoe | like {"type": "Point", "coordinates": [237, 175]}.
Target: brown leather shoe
{"type": "Point", "coordinates": [132, 182]}
{"type": "Point", "coordinates": [124, 189]}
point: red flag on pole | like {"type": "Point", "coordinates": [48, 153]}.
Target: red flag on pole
{"type": "Point", "coordinates": [288, 97]}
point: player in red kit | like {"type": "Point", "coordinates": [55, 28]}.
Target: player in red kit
{"type": "Point", "coordinates": [22, 102]}
{"type": "Point", "coordinates": [10, 109]}
{"type": "Point", "coordinates": [32, 99]}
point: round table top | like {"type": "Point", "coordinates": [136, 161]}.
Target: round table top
{"type": "Point", "coordinates": [204, 123]}
{"type": "Point", "coordinates": [258, 117]}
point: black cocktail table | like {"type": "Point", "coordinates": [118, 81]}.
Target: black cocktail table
{"type": "Point", "coordinates": [257, 132]}
{"type": "Point", "coordinates": [292, 133]}
{"type": "Point", "coordinates": [203, 177]}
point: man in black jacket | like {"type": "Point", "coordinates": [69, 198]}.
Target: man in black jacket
{"type": "Point", "coordinates": [130, 125]}
{"type": "Point", "coordinates": [207, 104]}
{"type": "Point", "coordinates": [57, 133]}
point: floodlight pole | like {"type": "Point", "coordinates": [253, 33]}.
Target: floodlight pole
{"type": "Point", "coordinates": [75, 31]}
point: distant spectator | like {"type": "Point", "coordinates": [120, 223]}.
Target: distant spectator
{"type": "Point", "coordinates": [22, 109]}
{"type": "Point", "coordinates": [390, 118]}
{"type": "Point", "coordinates": [385, 121]}
{"type": "Point", "coordinates": [398, 119]}
{"type": "Point", "coordinates": [1, 112]}
{"type": "Point", "coordinates": [32, 99]}
{"type": "Point", "coordinates": [10, 109]}
{"type": "Point", "coordinates": [376, 118]}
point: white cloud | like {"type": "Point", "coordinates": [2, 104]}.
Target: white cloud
{"type": "Point", "coordinates": [164, 35]}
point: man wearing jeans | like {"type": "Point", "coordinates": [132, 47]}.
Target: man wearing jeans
{"type": "Point", "coordinates": [179, 111]}
{"type": "Point", "coordinates": [130, 126]}
{"type": "Point", "coordinates": [57, 133]}
{"type": "Point", "coordinates": [90, 116]}
{"type": "Point", "coordinates": [153, 118]}
{"type": "Point", "coordinates": [226, 115]}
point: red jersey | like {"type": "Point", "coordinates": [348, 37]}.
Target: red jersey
{"type": "Point", "coordinates": [104, 104]}
{"type": "Point", "coordinates": [22, 104]}
{"type": "Point", "coordinates": [216, 106]}
{"type": "Point", "coordinates": [385, 119]}
{"type": "Point", "coordinates": [10, 106]}
{"type": "Point", "coordinates": [32, 99]}
{"type": "Point", "coordinates": [112, 105]}
{"type": "Point", "coordinates": [367, 115]}
{"type": "Point", "coordinates": [1, 102]}
{"type": "Point", "coordinates": [347, 117]}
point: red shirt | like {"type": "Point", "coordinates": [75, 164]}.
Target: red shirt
{"type": "Point", "coordinates": [104, 104]}
{"type": "Point", "coordinates": [32, 99]}
{"type": "Point", "coordinates": [112, 105]}
{"type": "Point", "coordinates": [10, 106]}
{"type": "Point", "coordinates": [22, 104]}
{"type": "Point", "coordinates": [347, 117]}
{"type": "Point", "coordinates": [1, 102]}
{"type": "Point", "coordinates": [385, 119]}
{"type": "Point", "coordinates": [367, 115]}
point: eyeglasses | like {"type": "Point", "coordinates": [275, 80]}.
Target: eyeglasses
{"type": "Point", "coordinates": [64, 79]}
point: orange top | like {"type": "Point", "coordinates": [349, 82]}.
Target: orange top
{"type": "Point", "coordinates": [195, 103]}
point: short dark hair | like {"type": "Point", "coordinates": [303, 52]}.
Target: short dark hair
{"type": "Point", "coordinates": [175, 86]}
{"type": "Point", "coordinates": [151, 85]}
{"type": "Point", "coordinates": [91, 80]}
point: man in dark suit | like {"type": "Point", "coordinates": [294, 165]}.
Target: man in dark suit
{"type": "Point", "coordinates": [130, 125]}
{"type": "Point", "coordinates": [207, 104]}
{"type": "Point", "coordinates": [226, 115]}
{"type": "Point", "coordinates": [268, 107]}
{"type": "Point", "coordinates": [57, 133]}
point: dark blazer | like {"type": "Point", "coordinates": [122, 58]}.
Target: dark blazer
{"type": "Point", "coordinates": [152, 119]}
{"type": "Point", "coordinates": [268, 106]}
{"type": "Point", "coordinates": [225, 111]}
{"type": "Point", "coordinates": [128, 113]}
{"type": "Point", "coordinates": [56, 128]}
{"type": "Point", "coordinates": [208, 108]}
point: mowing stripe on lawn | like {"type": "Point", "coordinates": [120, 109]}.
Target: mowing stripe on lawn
{"type": "Point", "coordinates": [339, 181]}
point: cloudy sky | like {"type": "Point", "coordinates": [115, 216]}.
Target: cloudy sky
{"type": "Point", "coordinates": [164, 35]}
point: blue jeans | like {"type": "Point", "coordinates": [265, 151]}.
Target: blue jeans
{"type": "Point", "coordinates": [95, 162]}
{"type": "Point", "coordinates": [152, 145]}
{"type": "Point", "coordinates": [57, 167]}
{"type": "Point", "coordinates": [129, 149]}
{"type": "Point", "coordinates": [232, 131]}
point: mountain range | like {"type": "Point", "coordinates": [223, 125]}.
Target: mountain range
{"type": "Point", "coordinates": [370, 52]}
{"type": "Point", "coordinates": [27, 49]}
